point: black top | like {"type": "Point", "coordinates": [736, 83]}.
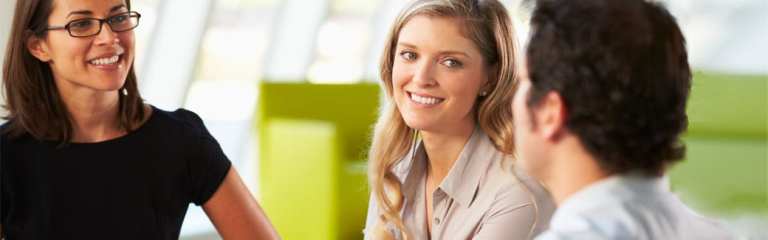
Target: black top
{"type": "Point", "coordinates": [134, 187]}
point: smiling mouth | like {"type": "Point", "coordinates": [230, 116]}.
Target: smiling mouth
{"type": "Point", "coordinates": [425, 100]}
{"type": "Point", "coordinates": [109, 59]}
{"type": "Point", "coordinates": [106, 60]}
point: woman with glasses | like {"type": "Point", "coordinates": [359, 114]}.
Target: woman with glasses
{"type": "Point", "coordinates": [83, 157]}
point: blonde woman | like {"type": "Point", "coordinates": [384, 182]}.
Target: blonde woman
{"type": "Point", "coordinates": [436, 163]}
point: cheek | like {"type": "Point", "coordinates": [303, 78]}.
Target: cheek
{"type": "Point", "coordinates": [67, 51]}
{"type": "Point", "coordinates": [127, 39]}
{"type": "Point", "coordinates": [400, 77]}
{"type": "Point", "coordinates": [465, 88]}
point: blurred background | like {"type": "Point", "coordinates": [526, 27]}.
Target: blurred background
{"type": "Point", "coordinates": [289, 88]}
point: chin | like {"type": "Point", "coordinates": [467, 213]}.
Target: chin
{"type": "Point", "coordinates": [419, 124]}
{"type": "Point", "coordinates": [110, 86]}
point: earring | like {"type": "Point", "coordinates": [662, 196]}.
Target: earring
{"type": "Point", "coordinates": [483, 93]}
{"type": "Point", "coordinates": [124, 92]}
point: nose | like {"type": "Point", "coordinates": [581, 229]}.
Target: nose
{"type": "Point", "coordinates": [106, 35]}
{"type": "Point", "coordinates": [423, 75]}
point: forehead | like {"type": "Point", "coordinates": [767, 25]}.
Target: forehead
{"type": "Point", "coordinates": [436, 33]}
{"type": "Point", "coordinates": [66, 8]}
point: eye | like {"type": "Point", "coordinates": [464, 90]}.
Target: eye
{"type": "Point", "coordinates": [119, 18]}
{"type": "Point", "coordinates": [452, 63]}
{"type": "Point", "coordinates": [80, 24]}
{"type": "Point", "coordinates": [408, 55]}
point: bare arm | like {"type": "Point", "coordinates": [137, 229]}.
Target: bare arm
{"type": "Point", "coordinates": [235, 213]}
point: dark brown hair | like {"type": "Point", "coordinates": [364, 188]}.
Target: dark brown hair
{"type": "Point", "coordinates": [32, 100]}
{"type": "Point", "coordinates": [622, 70]}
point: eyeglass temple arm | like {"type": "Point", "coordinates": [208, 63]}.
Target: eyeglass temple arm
{"type": "Point", "coordinates": [55, 27]}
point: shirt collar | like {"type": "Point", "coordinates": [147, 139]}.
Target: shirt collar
{"type": "Point", "coordinates": [412, 171]}
{"type": "Point", "coordinates": [614, 188]}
{"type": "Point", "coordinates": [463, 180]}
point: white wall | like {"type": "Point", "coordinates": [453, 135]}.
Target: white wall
{"type": "Point", "coordinates": [6, 13]}
{"type": "Point", "coordinates": [724, 36]}
{"type": "Point", "coordinates": [173, 52]}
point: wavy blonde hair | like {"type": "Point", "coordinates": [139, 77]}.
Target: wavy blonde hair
{"type": "Point", "coordinates": [488, 25]}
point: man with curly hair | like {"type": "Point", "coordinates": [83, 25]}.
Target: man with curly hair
{"type": "Point", "coordinates": [599, 113]}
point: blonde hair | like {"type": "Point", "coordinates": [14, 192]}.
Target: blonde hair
{"type": "Point", "coordinates": [488, 25]}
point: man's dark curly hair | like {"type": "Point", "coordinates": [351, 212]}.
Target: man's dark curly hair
{"type": "Point", "coordinates": [622, 70]}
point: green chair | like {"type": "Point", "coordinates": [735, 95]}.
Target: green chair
{"type": "Point", "coordinates": [726, 170]}
{"type": "Point", "coordinates": [313, 140]}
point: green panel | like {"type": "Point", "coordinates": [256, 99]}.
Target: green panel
{"type": "Point", "coordinates": [726, 171]}
{"type": "Point", "coordinates": [352, 106]}
{"type": "Point", "coordinates": [297, 186]}
{"type": "Point", "coordinates": [728, 105]}
{"type": "Point", "coordinates": [724, 176]}
{"type": "Point", "coordinates": [353, 200]}
{"type": "Point", "coordinates": [343, 112]}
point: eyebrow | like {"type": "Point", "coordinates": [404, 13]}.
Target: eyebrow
{"type": "Point", "coordinates": [406, 45]}
{"type": "Point", "coordinates": [448, 52]}
{"type": "Point", "coordinates": [89, 12]}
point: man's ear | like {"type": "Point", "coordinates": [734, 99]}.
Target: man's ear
{"type": "Point", "coordinates": [551, 114]}
{"type": "Point", "coordinates": [38, 48]}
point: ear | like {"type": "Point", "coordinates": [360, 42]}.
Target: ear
{"type": "Point", "coordinates": [551, 114]}
{"type": "Point", "coordinates": [38, 48]}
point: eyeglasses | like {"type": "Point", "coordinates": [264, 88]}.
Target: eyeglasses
{"type": "Point", "coordinates": [87, 27]}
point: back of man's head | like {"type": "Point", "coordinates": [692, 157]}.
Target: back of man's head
{"type": "Point", "coordinates": [622, 70]}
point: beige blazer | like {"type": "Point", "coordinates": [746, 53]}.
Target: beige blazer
{"type": "Point", "coordinates": [478, 199]}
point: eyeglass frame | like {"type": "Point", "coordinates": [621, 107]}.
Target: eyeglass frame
{"type": "Point", "coordinates": [101, 24]}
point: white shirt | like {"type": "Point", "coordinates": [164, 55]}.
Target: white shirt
{"type": "Point", "coordinates": [629, 207]}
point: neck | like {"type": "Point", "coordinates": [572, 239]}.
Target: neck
{"type": "Point", "coordinates": [572, 170]}
{"type": "Point", "coordinates": [443, 148]}
{"type": "Point", "coordinates": [93, 114]}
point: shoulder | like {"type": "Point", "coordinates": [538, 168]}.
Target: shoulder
{"type": "Point", "coordinates": [610, 218]}
{"type": "Point", "coordinates": [180, 121]}
{"type": "Point", "coordinates": [513, 186]}
{"type": "Point", "coordinates": [10, 134]}
{"type": "Point", "coordinates": [634, 220]}
{"type": "Point", "coordinates": [179, 116]}
{"type": "Point", "coordinates": [517, 195]}
{"type": "Point", "coordinates": [502, 185]}
{"type": "Point", "coordinates": [608, 222]}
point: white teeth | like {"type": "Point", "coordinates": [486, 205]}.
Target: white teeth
{"type": "Point", "coordinates": [105, 61]}
{"type": "Point", "coordinates": [425, 100]}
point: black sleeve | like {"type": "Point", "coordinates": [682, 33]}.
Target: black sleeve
{"type": "Point", "coordinates": [208, 167]}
